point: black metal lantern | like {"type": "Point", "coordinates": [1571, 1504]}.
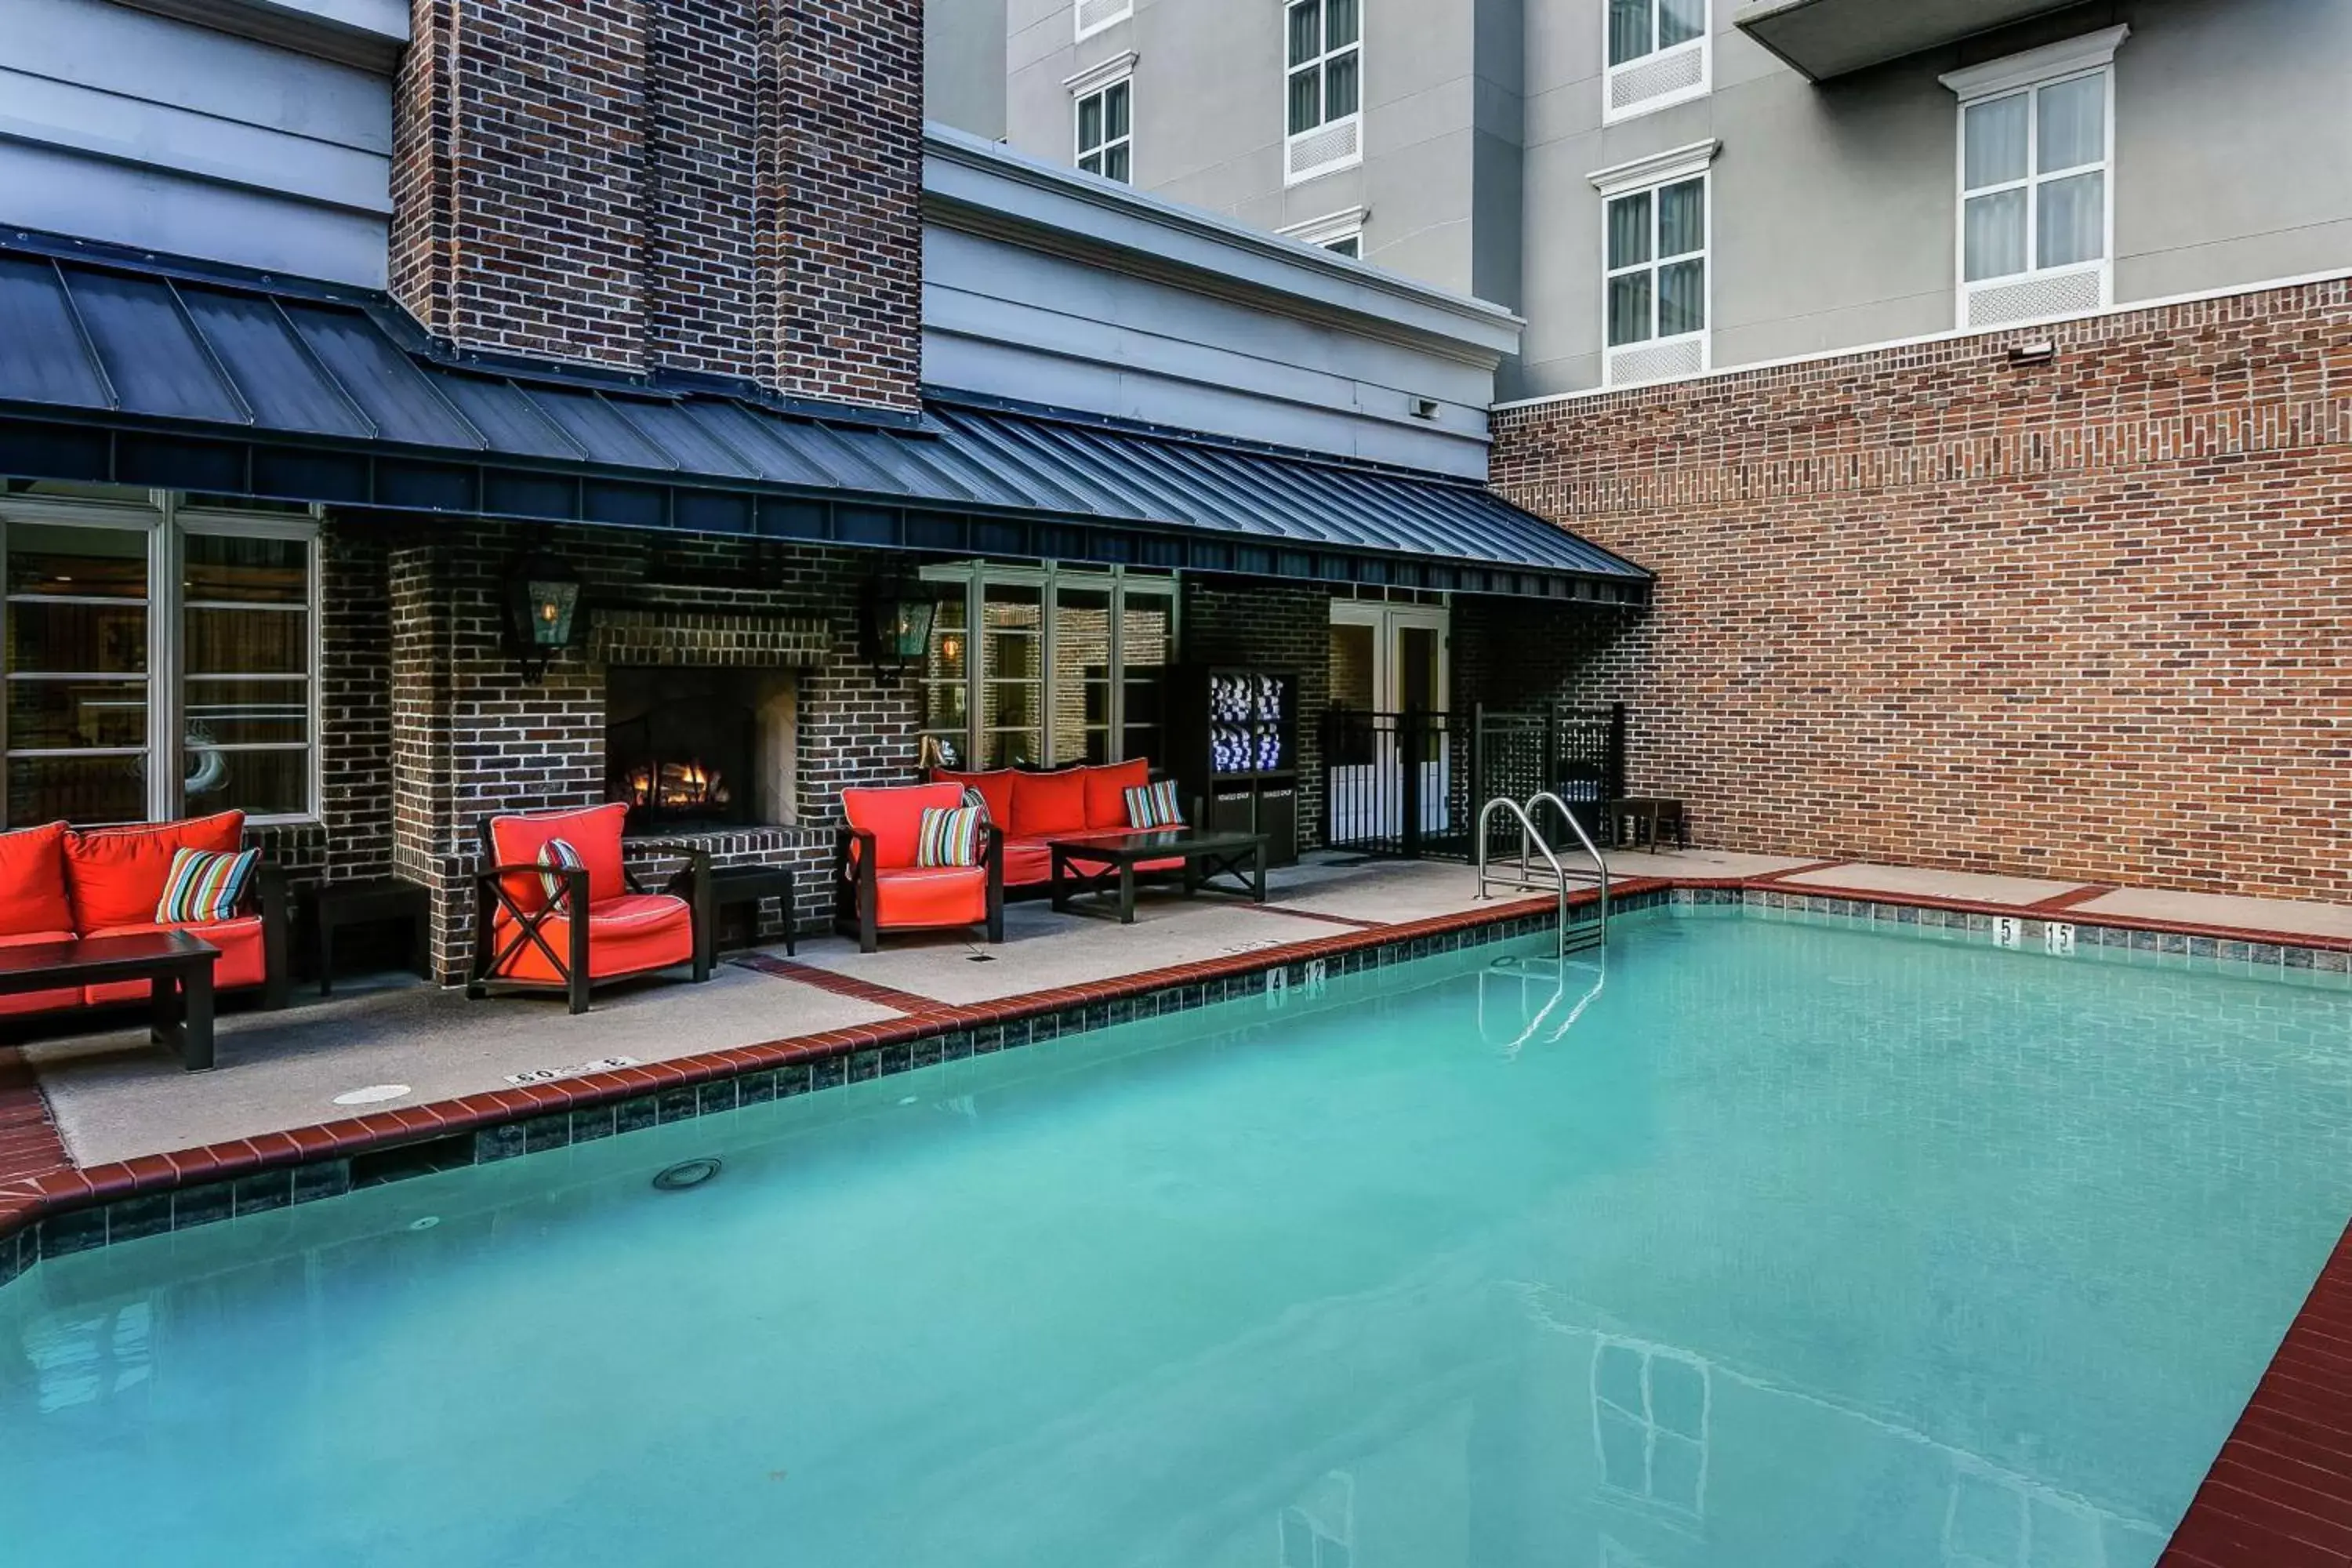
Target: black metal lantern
{"type": "Point", "coordinates": [898, 615]}
{"type": "Point", "coordinates": [542, 610]}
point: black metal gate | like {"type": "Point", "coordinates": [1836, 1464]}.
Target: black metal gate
{"type": "Point", "coordinates": [1411, 784]}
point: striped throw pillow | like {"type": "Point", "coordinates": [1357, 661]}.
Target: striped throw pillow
{"type": "Point", "coordinates": [1154, 805]}
{"type": "Point", "coordinates": [977, 801]}
{"type": "Point", "coordinates": [555, 858]}
{"type": "Point", "coordinates": [204, 884]}
{"type": "Point", "coordinates": [950, 837]}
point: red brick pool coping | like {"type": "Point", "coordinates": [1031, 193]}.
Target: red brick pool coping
{"type": "Point", "coordinates": [2278, 1494]}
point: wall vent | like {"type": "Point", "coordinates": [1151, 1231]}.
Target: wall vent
{"type": "Point", "coordinates": [1325, 147]}
{"type": "Point", "coordinates": [2032, 299]}
{"type": "Point", "coordinates": [1662, 76]}
{"type": "Point", "coordinates": [1094, 16]}
{"type": "Point", "coordinates": [1656, 362]}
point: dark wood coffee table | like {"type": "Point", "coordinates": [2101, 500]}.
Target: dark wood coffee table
{"type": "Point", "coordinates": [1206, 856]}
{"type": "Point", "coordinates": [177, 967]}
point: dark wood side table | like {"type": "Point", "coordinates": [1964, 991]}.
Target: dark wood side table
{"type": "Point", "coordinates": [1646, 817]}
{"type": "Point", "coordinates": [373, 900]}
{"type": "Point", "coordinates": [177, 967]}
{"type": "Point", "coordinates": [749, 884]}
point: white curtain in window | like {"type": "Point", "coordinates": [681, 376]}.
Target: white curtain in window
{"type": "Point", "coordinates": [1680, 21]}
{"type": "Point", "coordinates": [2073, 123]}
{"type": "Point", "coordinates": [1629, 31]}
{"type": "Point", "coordinates": [1994, 150]}
{"type": "Point", "coordinates": [2074, 220]}
{"type": "Point", "coordinates": [1993, 239]}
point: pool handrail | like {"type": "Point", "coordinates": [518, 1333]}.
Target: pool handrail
{"type": "Point", "coordinates": [1530, 835]}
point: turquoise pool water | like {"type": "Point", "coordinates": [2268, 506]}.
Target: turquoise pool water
{"type": "Point", "coordinates": [1789, 1246]}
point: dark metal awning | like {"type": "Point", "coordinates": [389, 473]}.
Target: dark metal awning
{"type": "Point", "coordinates": [168, 377]}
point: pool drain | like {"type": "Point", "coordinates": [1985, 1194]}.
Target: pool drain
{"type": "Point", "coordinates": [686, 1175]}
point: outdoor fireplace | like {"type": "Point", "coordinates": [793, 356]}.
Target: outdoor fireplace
{"type": "Point", "coordinates": [693, 749]}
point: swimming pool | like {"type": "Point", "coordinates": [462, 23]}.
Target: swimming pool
{"type": "Point", "coordinates": [1783, 1245]}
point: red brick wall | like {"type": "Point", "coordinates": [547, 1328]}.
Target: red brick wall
{"type": "Point", "coordinates": [729, 188]}
{"type": "Point", "coordinates": [2087, 617]}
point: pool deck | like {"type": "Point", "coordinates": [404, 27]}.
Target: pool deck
{"type": "Point", "coordinates": [99, 1114]}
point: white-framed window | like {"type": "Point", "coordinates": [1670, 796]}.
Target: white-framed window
{"type": "Point", "coordinates": [1105, 131]}
{"type": "Point", "coordinates": [1658, 52]}
{"type": "Point", "coordinates": [161, 659]}
{"type": "Point", "coordinates": [2036, 161]}
{"type": "Point", "coordinates": [1043, 666]}
{"type": "Point", "coordinates": [1323, 86]}
{"type": "Point", "coordinates": [1091, 16]}
{"type": "Point", "coordinates": [1341, 232]}
{"type": "Point", "coordinates": [1655, 287]}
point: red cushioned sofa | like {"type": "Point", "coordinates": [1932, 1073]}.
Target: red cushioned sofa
{"type": "Point", "coordinates": [878, 885]}
{"type": "Point", "coordinates": [1033, 809]}
{"type": "Point", "coordinates": [523, 941]}
{"type": "Point", "coordinates": [59, 883]}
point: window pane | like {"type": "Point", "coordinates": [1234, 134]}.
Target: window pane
{"type": "Point", "coordinates": [1115, 112]}
{"type": "Point", "coordinates": [1081, 683]}
{"type": "Point", "coordinates": [1339, 87]}
{"type": "Point", "coordinates": [1682, 297]}
{"type": "Point", "coordinates": [83, 790]}
{"type": "Point", "coordinates": [262, 784]}
{"type": "Point", "coordinates": [1993, 138]}
{"type": "Point", "coordinates": [74, 715]}
{"type": "Point", "coordinates": [78, 563]}
{"type": "Point", "coordinates": [1115, 167]}
{"type": "Point", "coordinates": [77, 639]}
{"type": "Point", "coordinates": [243, 569]}
{"type": "Point", "coordinates": [234, 712]}
{"type": "Point", "coordinates": [1306, 37]}
{"type": "Point", "coordinates": [1338, 24]}
{"type": "Point", "coordinates": [1012, 621]}
{"type": "Point", "coordinates": [2074, 220]}
{"type": "Point", "coordinates": [1145, 648]}
{"type": "Point", "coordinates": [1628, 309]}
{"type": "Point", "coordinates": [247, 642]}
{"type": "Point", "coordinates": [2073, 123]}
{"type": "Point", "coordinates": [1680, 21]}
{"type": "Point", "coordinates": [1306, 100]}
{"type": "Point", "coordinates": [1090, 123]}
{"type": "Point", "coordinates": [1629, 230]}
{"type": "Point", "coordinates": [1993, 239]}
{"type": "Point", "coordinates": [1629, 31]}
{"type": "Point", "coordinates": [1682, 218]}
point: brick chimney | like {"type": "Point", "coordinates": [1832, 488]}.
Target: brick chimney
{"type": "Point", "coordinates": [724, 187]}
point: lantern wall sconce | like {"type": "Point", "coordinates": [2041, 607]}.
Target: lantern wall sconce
{"type": "Point", "coordinates": [542, 611]}
{"type": "Point", "coordinates": [900, 612]}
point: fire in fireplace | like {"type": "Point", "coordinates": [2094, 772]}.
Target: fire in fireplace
{"type": "Point", "coordinates": [690, 748]}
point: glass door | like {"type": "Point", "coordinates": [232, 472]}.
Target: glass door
{"type": "Point", "coordinates": [1389, 693]}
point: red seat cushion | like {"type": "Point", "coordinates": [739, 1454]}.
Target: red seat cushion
{"type": "Point", "coordinates": [32, 881]}
{"type": "Point", "coordinates": [1044, 805]}
{"type": "Point", "coordinates": [931, 896]}
{"type": "Point", "coordinates": [1028, 863]}
{"type": "Point", "coordinates": [1106, 788]}
{"type": "Point", "coordinates": [895, 817]}
{"type": "Point", "coordinates": [39, 1001]}
{"type": "Point", "coordinates": [116, 875]}
{"type": "Point", "coordinates": [244, 960]}
{"type": "Point", "coordinates": [626, 935]}
{"type": "Point", "coordinates": [593, 830]}
{"type": "Point", "coordinates": [995, 788]}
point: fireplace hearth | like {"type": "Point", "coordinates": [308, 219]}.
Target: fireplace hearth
{"type": "Point", "coordinates": [693, 749]}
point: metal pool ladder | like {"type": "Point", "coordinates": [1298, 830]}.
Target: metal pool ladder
{"type": "Point", "coordinates": [1525, 876]}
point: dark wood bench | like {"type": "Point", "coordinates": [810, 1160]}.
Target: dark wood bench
{"type": "Point", "coordinates": [177, 967]}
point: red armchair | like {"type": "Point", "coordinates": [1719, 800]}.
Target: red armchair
{"type": "Point", "coordinates": [879, 886]}
{"type": "Point", "coordinates": [525, 941]}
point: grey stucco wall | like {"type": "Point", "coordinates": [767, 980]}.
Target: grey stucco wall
{"type": "Point", "coordinates": [964, 65]}
{"type": "Point", "coordinates": [120, 125]}
{"type": "Point", "coordinates": [1834, 206]}
{"type": "Point", "coordinates": [1209, 120]}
